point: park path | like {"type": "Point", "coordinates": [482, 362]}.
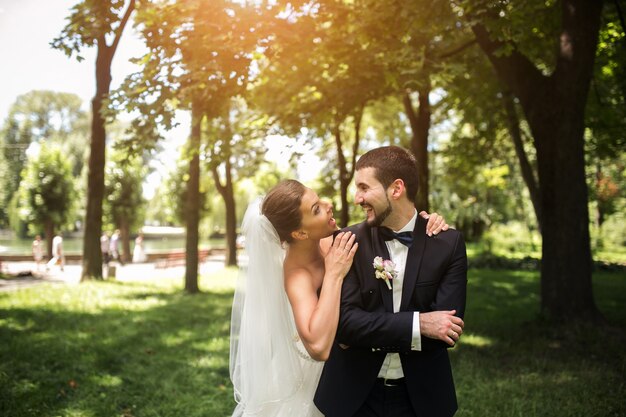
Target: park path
{"type": "Point", "coordinates": [27, 275]}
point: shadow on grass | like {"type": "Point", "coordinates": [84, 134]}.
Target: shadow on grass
{"type": "Point", "coordinates": [509, 362]}
{"type": "Point", "coordinates": [148, 353]}
{"type": "Point", "coordinates": [137, 349]}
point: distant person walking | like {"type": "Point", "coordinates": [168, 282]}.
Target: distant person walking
{"type": "Point", "coordinates": [139, 253]}
{"type": "Point", "coordinates": [104, 247]}
{"type": "Point", "coordinates": [114, 247]}
{"type": "Point", "coordinates": [37, 251]}
{"type": "Point", "coordinates": [58, 256]}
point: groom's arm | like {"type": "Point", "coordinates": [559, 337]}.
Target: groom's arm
{"type": "Point", "coordinates": [358, 328]}
{"type": "Point", "coordinates": [392, 332]}
{"type": "Point", "coordinates": [451, 294]}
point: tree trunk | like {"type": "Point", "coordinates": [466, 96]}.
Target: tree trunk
{"type": "Point", "coordinates": [346, 171]}
{"type": "Point", "coordinates": [49, 233]}
{"type": "Point", "coordinates": [420, 127]}
{"type": "Point", "coordinates": [527, 170]}
{"type": "Point", "coordinates": [228, 196]}
{"type": "Point", "coordinates": [125, 235]}
{"type": "Point", "coordinates": [344, 182]}
{"type": "Point", "coordinates": [566, 289]}
{"type": "Point", "coordinates": [192, 217]}
{"type": "Point", "coordinates": [227, 191]}
{"type": "Point", "coordinates": [555, 108]}
{"type": "Point", "coordinates": [231, 226]}
{"type": "Point", "coordinates": [92, 255]}
{"type": "Point", "coordinates": [229, 201]}
{"type": "Point", "coordinates": [600, 215]}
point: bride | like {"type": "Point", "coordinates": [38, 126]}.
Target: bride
{"type": "Point", "coordinates": [286, 304]}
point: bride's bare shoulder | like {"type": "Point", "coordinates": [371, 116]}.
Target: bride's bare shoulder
{"type": "Point", "coordinates": [294, 267]}
{"type": "Point", "coordinates": [298, 279]}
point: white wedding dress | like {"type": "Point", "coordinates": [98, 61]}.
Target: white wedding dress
{"type": "Point", "coordinates": [271, 372]}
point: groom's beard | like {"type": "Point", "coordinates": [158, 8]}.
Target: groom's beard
{"type": "Point", "coordinates": [379, 218]}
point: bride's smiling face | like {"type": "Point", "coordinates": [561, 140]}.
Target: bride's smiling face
{"type": "Point", "coordinates": [317, 216]}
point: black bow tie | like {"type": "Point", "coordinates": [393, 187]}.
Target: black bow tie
{"type": "Point", "coordinates": [406, 238]}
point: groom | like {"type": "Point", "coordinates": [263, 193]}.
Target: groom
{"type": "Point", "coordinates": [390, 354]}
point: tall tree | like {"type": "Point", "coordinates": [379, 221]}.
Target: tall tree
{"type": "Point", "coordinates": [488, 130]}
{"type": "Point", "coordinates": [233, 151]}
{"type": "Point", "coordinates": [199, 57]}
{"type": "Point", "coordinates": [47, 192]}
{"type": "Point", "coordinates": [192, 204]}
{"type": "Point", "coordinates": [320, 73]}
{"type": "Point", "coordinates": [410, 43]}
{"type": "Point", "coordinates": [4, 184]}
{"type": "Point", "coordinates": [606, 112]}
{"type": "Point", "coordinates": [552, 91]}
{"type": "Point", "coordinates": [168, 205]}
{"type": "Point", "coordinates": [100, 24]}
{"type": "Point", "coordinates": [36, 117]}
{"type": "Point", "coordinates": [124, 203]}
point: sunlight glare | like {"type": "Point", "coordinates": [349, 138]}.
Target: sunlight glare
{"type": "Point", "coordinates": [476, 340]}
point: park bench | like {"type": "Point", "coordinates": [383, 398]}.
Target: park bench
{"type": "Point", "coordinates": [178, 258]}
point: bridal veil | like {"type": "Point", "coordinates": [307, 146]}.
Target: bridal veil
{"type": "Point", "coordinates": [271, 373]}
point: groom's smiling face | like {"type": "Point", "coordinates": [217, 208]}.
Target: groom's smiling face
{"type": "Point", "coordinates": [372, 196]}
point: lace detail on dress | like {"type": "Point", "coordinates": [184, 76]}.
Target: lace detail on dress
{"type": "Point", "coordinates": [302, 352]}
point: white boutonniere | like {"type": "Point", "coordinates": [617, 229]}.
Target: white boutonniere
{"type": "Point", "coordinates": [385, 270]}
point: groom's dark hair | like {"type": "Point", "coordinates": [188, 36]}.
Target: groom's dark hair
{"type": "Point", "coordinates": [281, 206]}
{"type": "Point", "coordinates": [392, 163]}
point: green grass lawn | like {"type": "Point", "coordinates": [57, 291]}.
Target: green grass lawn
{"type": "Point", "coordinates": [509, 363]}
{"type": "Point", "coordinates": [147, 349]}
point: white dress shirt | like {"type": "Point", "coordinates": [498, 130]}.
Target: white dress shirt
{"type": "Point", "coordinates": [392, 367]}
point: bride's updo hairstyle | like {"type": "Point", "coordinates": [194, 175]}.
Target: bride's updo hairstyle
{"type": "Point", "coordinates": [281, 206]}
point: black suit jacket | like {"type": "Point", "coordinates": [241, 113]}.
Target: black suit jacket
{"type": "Point", "coordinates": [435, 279]}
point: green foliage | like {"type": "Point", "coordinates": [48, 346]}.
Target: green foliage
{"type": "Point", "coordinates": [89, 22]}
{"type": "Point", "coordinates": [265, 177]}
{"type": "Point", "coordinates": [47, 192]}
{"type": "Point", "coordinates": [606, 126]}
{"type": "Point", "coordinates": [609, 238]}
{"type": "Point", "coordinates": [234, 140]}
{"type": "Point", "coordinates": [36, 117]}
{"type": "Point", "coordinates": [199, 52]}
{"type": "Point", "coordinates": [124, 203]}
{"type": "Point", "coordinates": [532, 28]}
{"type": "Point", "coordinates": [163, 206]}
{"type": "Point", "coordinates": [513, 240]}
{"type": "Point", "coordinates": [4, 185]}
{"type": "Point", "coordinates": [475, 192]}
{"type": "Point", "coordinates": [17, 224]}
{"type": "Point", "coordinates": [387, 122]}
{"type": "Point", "coordinates": [606, 106]}
{"type": "Point", "coordinates": [168, 205]}
{"type": "Point", "coordinates": [318, 69]}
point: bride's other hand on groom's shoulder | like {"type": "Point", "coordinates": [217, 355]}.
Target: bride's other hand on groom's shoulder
{"type": "Point", "coordinates": [436, 223]}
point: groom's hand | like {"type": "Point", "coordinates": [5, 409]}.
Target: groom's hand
{"type": "Point", "coordinates": [442, 325]}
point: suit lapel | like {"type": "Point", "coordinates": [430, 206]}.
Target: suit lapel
{"type": "Point", "coordinates": [380, 249]}
{"type": "Point", "coordinates": [413, 262]}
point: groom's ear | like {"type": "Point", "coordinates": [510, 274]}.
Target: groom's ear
{"type": "Point", "coordinates": [397, 188]}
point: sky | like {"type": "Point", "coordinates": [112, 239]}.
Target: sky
{"type": "Point", "coordinates": [27, 62]}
